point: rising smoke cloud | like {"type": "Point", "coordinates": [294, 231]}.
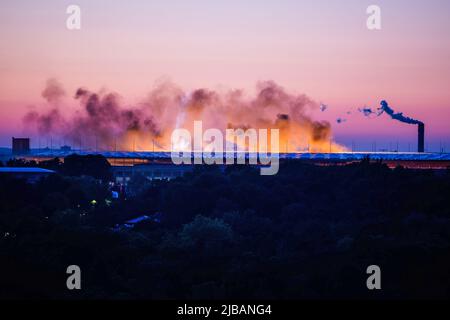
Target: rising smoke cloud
{"type": "Point", "coordinates": [51, 120]}
{"type": "Point", "coordinates": [148, 126]}
{"type": "Point", "coordinates": [53, 91]}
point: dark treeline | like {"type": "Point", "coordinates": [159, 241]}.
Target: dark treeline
{"type": "Point", "coordinates": [307, 232]}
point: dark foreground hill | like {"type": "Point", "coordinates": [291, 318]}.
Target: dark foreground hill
{"type": "Point", "coordinates": [307, 232]}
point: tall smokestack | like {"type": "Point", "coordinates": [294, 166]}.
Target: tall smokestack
{"type": "Point", "coordinates": [400, 117]}
{"type": "Point", "coordinates": [421, 137]}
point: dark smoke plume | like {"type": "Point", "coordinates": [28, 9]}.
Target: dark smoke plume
{"type": "Point", "coordinates": [367, 112]}
{"type": "Point", "coordinates": [385, 108]}
{"type": "Point", "coordinates": [397, 116]}
{"type": "Point", "coordinates": [149, 125]}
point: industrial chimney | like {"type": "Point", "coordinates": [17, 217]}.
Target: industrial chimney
{"type": "Point", "coordinates": [421, 137]}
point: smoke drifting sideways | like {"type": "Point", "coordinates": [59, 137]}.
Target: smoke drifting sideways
{"type": "Point", "coordinates": [104, 122]}
{"type": "Point", "coordinates": [398, 116]}
{"type": "Point", "coordinates": [385, 108]}
{"type": "Point", "coordinates": [368, 112]}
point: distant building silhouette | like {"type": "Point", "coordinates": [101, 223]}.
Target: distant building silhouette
{"type": "Point", "coordinates": [20, 145]}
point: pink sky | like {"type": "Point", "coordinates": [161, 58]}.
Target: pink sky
{"type": "Point", "coordinates": [320, 48]}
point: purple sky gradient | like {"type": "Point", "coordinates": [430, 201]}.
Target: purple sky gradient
{"type": "Point", "coordinates": [320, 48]}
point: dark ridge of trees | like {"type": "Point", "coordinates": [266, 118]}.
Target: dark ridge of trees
{"type": "Point", "coordinates": [20, 162]}
{"type": "Point", "coordinates": [307, 232]}
{"type": "Point", "coordinates": [91, 165]}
